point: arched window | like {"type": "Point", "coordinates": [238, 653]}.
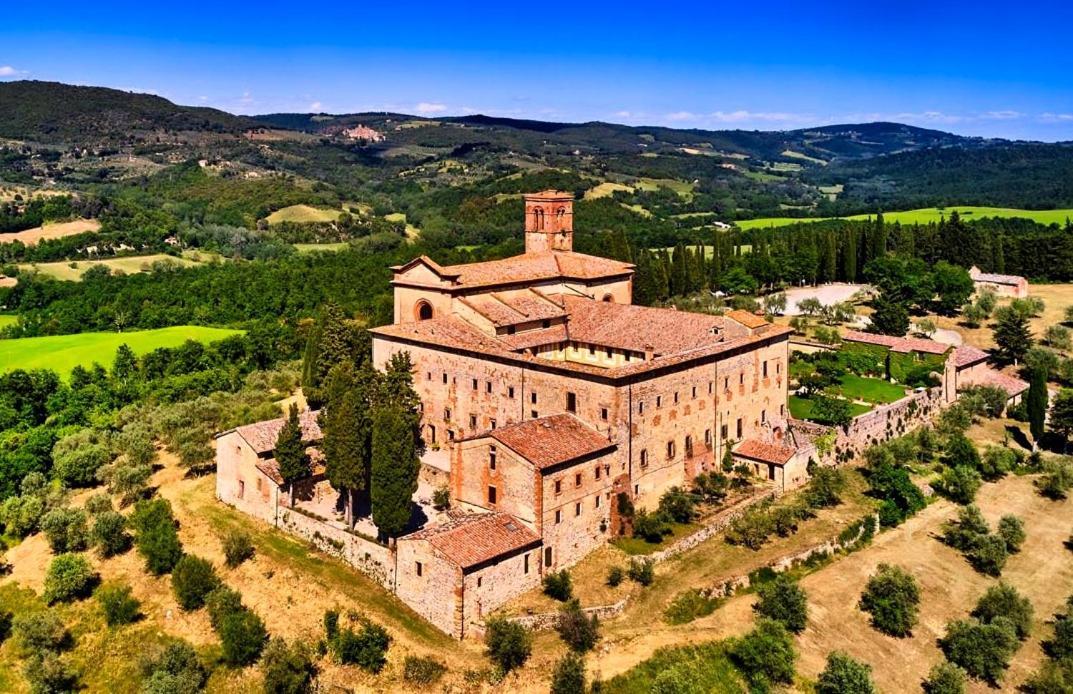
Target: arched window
{"type": "Point", "coordinates": [560, 214]}
{"type": "Point", "coordinates": [423, 310]}
{"type": "Point", "coordinates": [538, 215]}
{"type": "Point", "coordinates": [608, 298]}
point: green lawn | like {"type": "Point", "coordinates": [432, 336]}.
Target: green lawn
{"type": "Point", "coordinates": [874, 390]}
{"type": "Point", "coordinates": [62, 353]}
{"type": "Point", "coordinates": [801, 408]}
{"type": "Point", "coordinates": [705, 666]}
{"type": "Point", "coordinates": [311, 247]}
{"type": "Point", "coordinates": [7, 319]}
{"type": "Point", "coordinates": [927, 215]}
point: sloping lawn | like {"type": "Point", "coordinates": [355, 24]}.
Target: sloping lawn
{"type": "Point", "coordinates": [873, 390]}
{"type": "Point", "coordinates": [801, 408]}
{"type": "Point", "coordinates": [705, 666]}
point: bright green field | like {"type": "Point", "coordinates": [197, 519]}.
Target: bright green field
{"type": "Point", "coordinates": [311, 247]}
{"type": "Point", "coordinates": [6, 320]}
{"type": "Point", "coordinates": [925, 216]}
{"type": "Point", "coordinates": [801, 408]}
{"type": "Point", "coordinates": [872, 390]}
{"type": "Point", "coordinates": [62, 353]}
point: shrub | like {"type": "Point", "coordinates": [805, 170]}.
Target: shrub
{"type": "Point", "coordinates": [242, 637]}
{"type": "Point", "coordinates": [844, 675]}
{"type": "Point", "coordinates": [651, 527]}
{"type": "Point", "coordinates": [784, 601]}
{"type": "Point", "coordinates": [1057, 481]}
{"type": "Point", "coordinates": [69, 576]}
{"type": "Point", "coordinates": [1061, 646]}
{"type": "Point", "coordinates": [569, 675]}
{"type": "Point", "coordinates": [441, 499]}
{"type": "Point", "coordinates": [65, 529]}
{"type": "Point", "coordinates": [989, 555]}
{"type": "Point", "coordinates": [577, 629]}
{"type": "Point", "coordinates": [678, 505]}
{"type": "Point", "coordinates": [1012, 531]}
{"type": "Point", "coordinates": [961, 452]}
{"type": "Point", "coordinates": [960, 484]}
{"type": "Point", "coordinates": [419, 670]}
{"type": "Point", "coordinates": [5, 625]}
{"type": "Point", "coordinates": [287, 668]}
{"type": "Point", "coordinates": [221, 602]}
{"type": "Point", "coordinates": [689, 605]}
{"type": "Point", "coordinates": [892, 598]}
{"type": "Point", "coordinates": [965, 532]}
{"type": "Point", "coordinates": [365, 648]}
{"type": "Point", "coordinates": [509, 644]}
{"type": "Point", "coordinates": [48, 672]}
{"type": "Point", "coordinates": [751, 529]}
{"type": "Point", "coordinates": [982, 650]}
{"type": "Point", "coordinates": [677, 679]}
{"type": "Point", "coordinates": [825, 488]}
{"type": "Point", "coordinates": [237, 548]}
{"type": "Point", "coordinates": [996, 462]}
{"type": "Point", "coordinates": [557, 585]}
{"type": "Point", "coordinates": [192, 579]}
{"type": "Point", "coordinates": [157, 539]}
{"type": "Point", "coordinates": [945, 678]}
{"type": "Point", "coordinates": [176, 669]}
{"type": "Point", "coordinates": [642, 571]}
{"type": "Point", "coordinates": [1055, 677]}
{"type": "Point", "coordinates": [1003, 600]}
{"type": "Point", "coordinates": [98, 503]}
{"type": "Point", "coordinates": [615, 575]}
{"type": "Point", "coordinates": [41, 631]}
{"type": "Point", "coordinates": [118, 605]}
{"type": "Point", "coordinates": [711, 487]}
{"type": "Point", "coordinates": [331, 623]}
{"type": "Point", "coordinates": [765, 655]}
{"type": "Point", "coordinates": [109, 534]}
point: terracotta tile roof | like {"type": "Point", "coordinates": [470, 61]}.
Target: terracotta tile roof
{"type": "Point", "coordinates": [967, 355]}
{"type": "Point", "coordinates": [473, 539]}
{"type": "Point", "coordinates": [270, 466]}
{"type": "Point", "coordinates": [764, 452]}
{"type": "Point", "coordinates": [1011, 384]}
{"type": "Point", "coordinates": [512, 309]}
{"type": "Point", "coordinates": [545, 265]}
{"type": "Point", "coordinates": [535, 338]}
{"type": "Point", "coordinates": [995, 278]}
{"type": "Point", "coordinates": [640, 328]}
{"type": "Point", "coordinates": [896, 344]}
{"type": "Point", "coordinates": [553, 440]}
{"type": "Point", "coordinates": [749, 320]}
{"type": "Point", "coordinates": [262, 435]}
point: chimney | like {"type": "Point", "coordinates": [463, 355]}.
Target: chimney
{"type": "Point", "coordinates": [549, 221]}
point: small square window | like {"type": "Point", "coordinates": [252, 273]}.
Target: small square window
{"type": "Point", "coordinates": [533, 414]}
{"type": "Point", "coordinates": [603, 413]}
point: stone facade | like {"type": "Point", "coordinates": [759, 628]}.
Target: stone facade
{"type": "Point", "coordinates": [1013, 286]}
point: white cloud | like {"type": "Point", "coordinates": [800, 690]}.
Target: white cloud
{"type": "Point", "coordinates": [7, 71]}
{"type": "Point", "coordinates": [623, 114]}
{"type": "Point", "coordinates": [764, 116]}
{"type": "Point", "coordinates": [315, 106]}
{"type": "Point", "coordinates": [1002, 115]}
{"type": "Point", "coordinates": [679, 116]}
{"type": "Point", "coordinates": [1056, 117]}
{"type": "Point", "coordinates": [426, 107]}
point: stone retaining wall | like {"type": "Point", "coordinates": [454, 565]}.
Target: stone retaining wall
{"type": "Point", "coordinates": [718, 523]}
{"type": "Point", "coordinates": [371, 558]}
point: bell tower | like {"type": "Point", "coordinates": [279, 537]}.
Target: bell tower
{"type": "Point", "coordinates": [549, 221]}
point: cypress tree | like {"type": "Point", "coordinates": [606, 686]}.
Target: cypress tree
{"type": "Point", "coordinates": [396, 447]}
{"type": "Point", "coordinates": [290, 452]}
{"type": "Point", "coordinates": [849, 256]}
{"type": "Point", "coordinates": [1037, 402]}
{"type": "Point", "coordinates": [343, 424]}
{"type": "Point", "coordinates": [331, 342]}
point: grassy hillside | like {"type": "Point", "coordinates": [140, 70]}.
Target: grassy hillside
{"type": "Point", "coordinates": [926, 216]}
{"type": "Point", "coordinates": [64, 352]}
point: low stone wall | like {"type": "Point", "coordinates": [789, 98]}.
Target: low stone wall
{"type": "Point", "coordinates": [548, 620]}
{"type": "Point", "coordinates": [716, 525]}
{"type": "Point", "coordinates": [371, 558]}
{"type": "Point", "coordinates": [886, 422]}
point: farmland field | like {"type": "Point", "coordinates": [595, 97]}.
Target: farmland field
{"type": "Point", "coordinates": [64, 352]}
{"type": "Point", "coordinates": [925, 216]}
{"type": "Point", "coordinates": [312, 247]}
{"type": "Point", "coordinates": [606, 189]}
{"type": "Point", "coordinates": [302, 214]}
{"type": "Point", "coordinates": [137, 263]}
{"type": "Point", "coordinates": [51, 231]}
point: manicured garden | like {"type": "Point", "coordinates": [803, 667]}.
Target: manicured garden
{"type": "Point", "coordinates": [802, 408]}
{"type": "Point", "coordinates": [873, 390]}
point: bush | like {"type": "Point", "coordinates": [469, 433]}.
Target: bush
{"type": "Point", "coordinates": [221, 602]}
{"type": "Point", "coordinates": [509, 644]}
{"type": "Point", "coordinates": [578, 630]}
{"type": "Point", "coordinates": [844, 675]}
{"type": "Point", "coordinates": [38, 632]}
{"type": "Point", "coordinates": [642, 571]}
{"type": "Point", "coordinates": [1055, 677]}
{"type": "Point", "coordinates": [48, 672]}
{"type": "Point", "coordinates": [569, 675]}
{"type": "Point", "coordinates": [825, 488]}
{"type": "Point", "coordinates": [678, 505]}
{"type": "Point", "coordinates": [651, 527]}
{"type": "Point", "coordinates": [615, 575]}
{"type": "Point", "coordinates": [237, 548]}
{"type": "Point", "coordinates": [157, 539]}
{"type": "Point", "coordinates": [965, 532]}
{"type": "Point", "coordinates": [5, 625]}
{"type": "Point", "coordinates": [765, 655]}
{"type": "Point", "coordinates": [109, 534]}
{"type": "Point", "coordinates": [711, 487]}
{"type": "Point", "coordinates": [441, 499]}
{"type": "Point", "coordinates": [784, 601]}
{"type": "Point", "coordinates": [557, 585]}
{"type": "Point", "coordinates": [996, 462]}
{"type": "Point", "coordinates": [752, 528]}
{"type": "Point", "coordinates": [176, 669]}
{"type": "Point", "coordinates": [418, 670]}
{"type": "Point", "coordinates": [287, 668]}
{"type": "Point", "coordinates": [331, 624]}
{"type": "Point", "coordinates": [98, 503]}
{"type": "Point", "coordinates": [945, 678]}
{"type": "Point", "coordinates": [1057, 481]}
{"type": "Point", "coordinates": [192, 579]}
{"type": "Point", "coordinates": [1003, 600]}
{"type": "Point", "coordinates": [366, 648]}
{"type": "Point", "coordinates": [69, 576]}
{"type": "Point", "coordinates": [118, 605]}
{"type": "Point", "coordinates": [1012, 531]}
{"type": "Point", "coordinates": [959, 484]}
{"type": "Point", "coordinates": [1061, 646]}
{"type": "Point", "coordinates": [989, 555]}
{"type": "Point", "coordinates": [242, 637]}
{"type": "Point", "coordinates": [65, 530]}
{"type": "Point", "coordinates": [982, 650]}
{"type": "Point", "coordinates": [689, 605]}
{"type": "Point", "coordinates": [892, 598]}
{"type": "Point", "coordinates": [677, 679]}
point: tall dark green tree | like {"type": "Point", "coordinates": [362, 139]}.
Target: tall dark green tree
{"type": "Point", "coordinates": [891, 317]}
{"type": "Point", "coordinates": [1036, 402]}
{"type": "Point", "coordinates": [290, 451]}
{"type": "Point", "coordinates": [331, 342]}
{"type": "Point", "coordinates": [396, 447]}
{"type": "Point", "coordinates": [1012, 335]}
{"type": "Point", "coordinates": [343, 423]}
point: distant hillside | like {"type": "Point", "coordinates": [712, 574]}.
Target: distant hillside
{"type": "Point", "coordinates": [51, 112]}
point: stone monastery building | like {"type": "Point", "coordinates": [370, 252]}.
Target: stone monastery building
{"type": "Point", "coordinates": [545, 395]}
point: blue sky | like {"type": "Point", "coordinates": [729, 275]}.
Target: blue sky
{"type": "Point", "coordinates": [979, 68]}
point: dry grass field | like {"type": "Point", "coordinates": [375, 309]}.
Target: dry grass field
{"type": "Point", "coordinates": [1056, 297]}
{"type": "Point", "coordinates": [52, 231]}
{"type": "Point", "coordinates": [302, 214]}
{"type": "Point", "coordinates": [73, 270]}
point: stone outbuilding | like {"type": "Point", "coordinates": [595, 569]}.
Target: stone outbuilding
{"type": "Point", "coordinates": [785, 466]}
{"type": "Point", "coordinates": [1013, 286]}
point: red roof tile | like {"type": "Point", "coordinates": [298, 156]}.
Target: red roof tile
{"type": "Point", "coordinates": [967, 355]}
{"type": "Point", "coordinates": [549, 441]}
{"type": "Point", "coordinates": [262, 435]}
{"type": "Point", "coordinates": [545, 265]}
{"type": "Point", "coordinates": [1012, 385]}
{"type": "Point", "coordinates": [270, 466]}
{"type": "Point", "coordinates": [640, 328]}
{"type": "Point", "coordinates": [472, 539]}
{"type": "Point", "coordinates": [896, 344]}
{"type": "Point", "coordinates": [764, 452]}
{"type": "Point", "coordinates": [749, 320]}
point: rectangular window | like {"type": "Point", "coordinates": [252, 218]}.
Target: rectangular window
{"type": "Point", "coordinates": [659, 401]}
{"type": "Point", "coordinates": [592, 350]}
{"type": "Point", "coordinates": [741, 378]}
{"type": "Point", "coordinates": [710, 387]}
{"type": "Point", "coordinates": [450, 434]}
{"type": "Point", "coordinates": [675, 397]}
{"type": "Point", "coordinates": [474, 384]}
{"type": "Point", "coordinates": [577, 509]}
{"type": "Point", "coordinates": [473, 421]}
{"type": "Point", "coordinates": [491, 424]}
{"type": "Point", "coordinates": [739, 428]}
{"type": "Point", "coordinates": [603, 413]}
{"type": "Point", "coordinates": [558, 486]}
{"type": "Point", "coordinates": [241, 489]}
{"type": "Point", "coordinates": [597, 472]}
{"type": "Point", "coordinates": [445, 378]}
{"type": "Point", "coordinates": [479, 579]}
{"type": "Point", "coordinates": [670, 449]}
{"type": "Point", "coordinates": [641, 407]}
{"type": "Point", "coordinates": [558, 516]}
{"type": "Point", "coordinates": [526, 560]}
{"type": "Point", "coordinates": [447, 414]}
{"type": "Point", "coordinates": [644, 458]}
{"type": "Point", "coordinates": [726, 383]}
{"type": "Point", "coordinates": [491, 457]}
{"type": "Point", "coordinates": [577, 479]}
{"type": "Point", "coordinates": [763, 416]}
{"type": "Point", "coordinates": [571, 402]}
{"type": "Point", "coordinates": [723, 432]}
{"type": "Point", "coordinates": [765, 369]}
{"type": "Point", "coordinates": [491, 495]}
{"type": "Point", "coordinates": [428, 375]}
{"type": "Point", "coordinates": [694, 392]}
{"type": "Point", "coordinates": [547, 556]}
{"type": "Point", "coordinates": [707, 437]}
{"type": "Point", "coordinates": [532, 398]}
{"type": "Point", "coordinates": [419, 569]}
{"type": "Point", "coordinates": [533, 414]}
{"type": "Point", "coordinates": [488, 386]}
{"type": "Point", "coordinates": [597, 501]}
{"type": "Point", "coordinates": [608, 352]}
{"type": "Point", "coordinates": [510, 392]}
